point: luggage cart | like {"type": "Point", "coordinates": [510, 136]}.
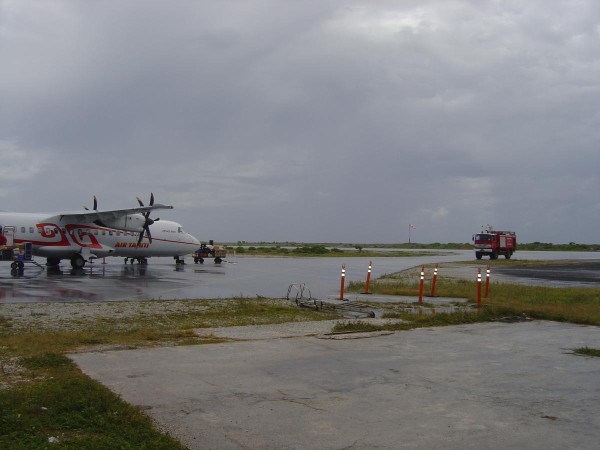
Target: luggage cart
{"type": "Point", "coordinates": [18, 255]}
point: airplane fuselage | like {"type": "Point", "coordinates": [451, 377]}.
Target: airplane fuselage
{"type": "Point", "coordinates": [55, 238]}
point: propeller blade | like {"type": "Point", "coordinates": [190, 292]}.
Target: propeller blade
{"type": "Point", "coordinates": [95, 205]}
{"type": "Point", "coordinates": [147, 220]}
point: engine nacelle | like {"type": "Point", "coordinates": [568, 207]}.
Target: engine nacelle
{"type": "Point", "coordinates": [130, 222]}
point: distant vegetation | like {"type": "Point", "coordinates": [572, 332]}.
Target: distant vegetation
{"type": "Point", "coordinates": [334, 249]}
{"type": "Point", "coordinates": [314, 250]}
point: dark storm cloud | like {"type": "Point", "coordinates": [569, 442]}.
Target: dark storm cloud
{"type": "Point", "coordinates": [334, 120]}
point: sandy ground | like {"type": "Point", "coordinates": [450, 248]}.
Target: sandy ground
{"type": "Point", "coordinates": [77, 315]}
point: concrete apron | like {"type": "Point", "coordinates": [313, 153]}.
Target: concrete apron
{"type": "Point", "coordinates": [492, 385]}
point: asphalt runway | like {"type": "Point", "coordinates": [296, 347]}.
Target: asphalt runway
{"type": "Point", "coordinates": [244, 276]}
{"type": "Point", "coordinates": [581, 273]}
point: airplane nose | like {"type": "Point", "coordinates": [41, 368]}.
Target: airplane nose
{"type": "Point", "coordinates": [194, 240]}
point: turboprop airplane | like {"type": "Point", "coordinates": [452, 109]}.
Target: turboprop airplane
{"type": "Point", "coordinates": [83, 235]}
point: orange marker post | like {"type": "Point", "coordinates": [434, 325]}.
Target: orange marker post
{"type": "Point", "coordinates": [435, 272]}
{"type": "Point", "coordinates": [487, 281]}
{"type": "Point", "coordinates": [421, 283]}
{"type": "Point", "coordinates": [342, 281]}
{"type": "Point", "coordinates": [478, 288]}
{"type": "Point", "coordinates": [368, 278]}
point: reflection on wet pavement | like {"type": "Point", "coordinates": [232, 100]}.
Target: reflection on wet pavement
{"type": "Point", "coordinates": [247, 277]}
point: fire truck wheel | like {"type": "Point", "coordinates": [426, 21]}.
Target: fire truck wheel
{"type": "Point", "coordinates": [21, 264]}
{"type": "Point", "coordinates": [13, 265]}
{"type": "Point", "coordinates": [494, 255]}
{"type": "Point", "coordinates": [218, 260]}
{"type": "Point", "coordinates": [508, 255]}
{"type": "Point", "coordinates": [478, 255]}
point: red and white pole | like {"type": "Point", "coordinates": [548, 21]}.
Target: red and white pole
{"type": "Point", "coordinates": [435, 272]}
{"type": "Point", "coordinates": [421, 284]}
{"type": "Point", "coordinates": [368, 278]}
{"type": "Point", "coordinates": [343, 281]}
{"type": "Point", "coordinates": [487, 281]}
{"type": "Point", "coordinates": [478, 288]}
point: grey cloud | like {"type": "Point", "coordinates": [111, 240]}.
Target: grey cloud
{"type": "Point", "coordinates": [334, 120]}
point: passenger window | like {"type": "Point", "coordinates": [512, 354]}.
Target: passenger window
{"type": "Point", "coordinates": [31, 230]}
{"type": "Point", "coordinates": [110, 233]}
{"type": "Point", "coordinates": [22, 229]}
{"type": "Point", "coordinates": [103, 232]}
{"type": "Point", "coordinates": [96, 232]}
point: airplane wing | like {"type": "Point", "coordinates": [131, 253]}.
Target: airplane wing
{"type": "Point", "coordinates": [104, 216]}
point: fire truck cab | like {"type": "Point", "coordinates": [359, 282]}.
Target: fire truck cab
{"type": "Point", "coordinates": [493, 243]}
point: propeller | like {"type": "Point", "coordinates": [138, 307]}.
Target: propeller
{"type": "Point", "coordinates": [148, 221]}
{"type": "Point", "coordinates": [95, 205]}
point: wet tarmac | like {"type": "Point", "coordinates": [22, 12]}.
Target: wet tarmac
{"type": "Point", "coordinates": [579, 273]}
{"type": "Point", "coordinates": [245, 276]}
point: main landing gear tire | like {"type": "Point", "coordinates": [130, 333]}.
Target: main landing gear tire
{"type": "Point", "coordinates": [52, 262]}
{"type": "Point", "coordinates": [218, 260]}
{"type": "Point", "coordinates": [77, 262]}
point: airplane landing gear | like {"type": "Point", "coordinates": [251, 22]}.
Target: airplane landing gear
{"type": "Point", "coordinates": [52, 262]}
{"type": "Point", "coordinates": [142, 261]}
{"type": "Point", "coordinates": [77, 262]}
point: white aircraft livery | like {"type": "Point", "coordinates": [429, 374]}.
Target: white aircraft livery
{"type": "Point", "coordinates": [83, 235]}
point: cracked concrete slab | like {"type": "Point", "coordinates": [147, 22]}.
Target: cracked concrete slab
{"type": "Point", "coordinates": [492, 385]}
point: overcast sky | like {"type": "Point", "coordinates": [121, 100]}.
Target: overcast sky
{"type": "Point", "coordinates": [336, 121]}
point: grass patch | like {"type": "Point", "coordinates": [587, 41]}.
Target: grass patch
{"type": "Point", "coordinates": [71, 410]}
{"type": "Point", "coordinates": [587, 351]}
{"type": "Point", "coordinates": [562, 304]}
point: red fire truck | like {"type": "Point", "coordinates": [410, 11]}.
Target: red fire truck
{"type": "Point", "coordinates": [493, 243]}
